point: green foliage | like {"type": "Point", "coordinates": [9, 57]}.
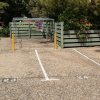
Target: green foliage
{"type": "Point", "coordinates": [16, 9]}
{"type": "Point", "coordinates": [3, 6]}
{"type": "Point", "coordinates": [77, 11]}
{"type": "Point", "coordinates": [53, 7]}
{"type": "Point", "coordinates": [37, 9]}
{"type": "Point", "coordinates": [4, 32]}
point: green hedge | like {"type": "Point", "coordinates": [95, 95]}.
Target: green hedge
{"type": "Point", "coordinates": [4, 32]}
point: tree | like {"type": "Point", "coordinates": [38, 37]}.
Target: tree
{"type": "Point", "coordinates": [55, 7]}
{"type": "Point", "coordinates": [3, 6]}
{"type": "Point", "coordinates": [37, 9]}
{"type": "Point", "coordinates": [16, 8]}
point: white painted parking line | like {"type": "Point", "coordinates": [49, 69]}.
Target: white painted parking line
{"type": "Point", "coordinates": [87, 57]}
{"type": "Point", "coordinates": [46, 77]}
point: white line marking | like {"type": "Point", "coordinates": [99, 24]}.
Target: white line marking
{"type": "Point", "coordinates": [87, 57]}
{"type": "Point", "coordinates": [46, 77]}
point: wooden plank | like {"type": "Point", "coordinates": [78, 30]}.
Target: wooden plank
{"type": "Point", "coordinates": [58, 31]}
{"type": "Point", "coordinates": [58, 27]}
{"type": "Point", "coordinates": [59, 23]}
{"type": "Point", "coordinates": [35, 32]}
{"type": "Point", "coordinates": [89, 31]}
{"type": "Point", "coordinates": [20, 31]}
{"type": "Point", "coordinates": [21, 22]}
{"type": "Point", "coordinates": [70, 32]}
{"type": "Point", "coordinates": [76, 36]}
{"type": "Point", "coordinates": [44, 36]}
{"type": "Point", "coordinates": [36, 36]}
{"type": "Point", "coordinates": [33, 28]}
{"type": "Point", "coordinates": [93, 35]}
{"type": "Point", "coordinates": [10, 32]}
{"type": "Point", "coordinates": [29, 31]}
{"type": "Point", "coordinates": [22, 34]}
{"type": "Point", "coordinates": [32, 25]}
{"type": "Point", "coordinates": [44, 22]}
{"type": "Point", "coordinates": [86, 40]}
{"type": "Point", "coordinates": [58, 35]}
{"type": "Point", "coordinates": [58, 39]}
{"type": "Point", "coordinates": [19, 28]}
{"type": "Point", "coordinates": [70, 36]}
{"type": "Point", "coordinates": [22, 37]}
{"type": "Point", "coordinates": [44, 26]}
{"type": "Point", "coordinates": [28, 37]}
{"type": "Point", "coordinates": [62, 34]}
{"type": "Point", "coordinates": [82, 44]}
{"type": "Point", "coordinates": [47, 30]}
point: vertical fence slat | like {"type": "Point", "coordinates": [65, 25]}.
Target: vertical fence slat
{"type": "Point", "coordinates": [62, 44]}
{"type": "Point", "coordinates": [52, 31]}
{"type": "Point", "coordinates": [29, 31]}
{"type": "Point", "coordinates": [49, 32]}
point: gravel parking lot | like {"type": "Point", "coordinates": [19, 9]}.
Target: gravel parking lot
{"type": "Point", "coordinates": [79, 77]}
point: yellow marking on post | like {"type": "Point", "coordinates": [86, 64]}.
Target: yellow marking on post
{"type": "Point", "coordinates": [13, 42]}
{"type": "Point", "coordinates": [55, 40]}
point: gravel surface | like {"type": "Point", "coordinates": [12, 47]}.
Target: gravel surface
{"type": "Point", "coordinates": [78, 76]}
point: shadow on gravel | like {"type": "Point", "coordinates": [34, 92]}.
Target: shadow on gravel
{"type": "Point", "coordinates": [97, 50]}
{"type": "Point", "coordinates": [46, 42]}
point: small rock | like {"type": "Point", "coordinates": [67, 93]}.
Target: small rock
{"type": "Point", "coordinates": [5, 80]}
{"type": "Point", "coordinates": [79, 77]}
{"type": "Point", "coordinates": [13, 79]}
{"type": "Point", "coordinates": [86, 77]}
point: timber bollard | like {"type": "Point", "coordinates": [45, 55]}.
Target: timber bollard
{"type": "Point", "coordinates": [13, 42]}
{"type": "Point", "coordinates": [55, 41]}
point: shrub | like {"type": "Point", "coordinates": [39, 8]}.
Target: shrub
{"type": "Point", "coordinates": [81, 19]}
{"type": "Point", "coordinates": [4, 31]}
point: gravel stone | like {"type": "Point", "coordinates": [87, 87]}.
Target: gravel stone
{"type": "Point", "coordinates": [79, 78]}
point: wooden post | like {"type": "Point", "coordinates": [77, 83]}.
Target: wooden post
{"type": "Point", "coordinates": [50, 31]}
{"type": "Point", "coordinates": [13, 42]}
{"type": "Point", "coordinates": [55, 40]}
{"type": "Point", "coordinates": [62, 44]}
{"type": "Point", "coordinates": [29, 31]}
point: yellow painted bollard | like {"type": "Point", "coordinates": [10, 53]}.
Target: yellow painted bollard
{"type": "Point", "coordinates": [55, 40]}
{"type": "Point", "coordinates": [13, 42]}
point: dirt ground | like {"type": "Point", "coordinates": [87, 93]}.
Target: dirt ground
{"type": "Point", "coordinates": [79, 78]}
